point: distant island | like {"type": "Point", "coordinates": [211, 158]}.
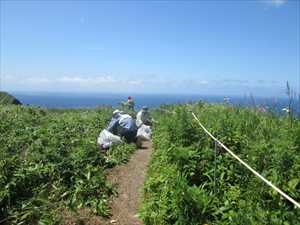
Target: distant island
{"type": "Point", "coordinates": [7, 99]}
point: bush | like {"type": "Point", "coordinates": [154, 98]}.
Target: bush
{"type": "Point", "coordinates": [187, 184]}
{"type": "Point", "coordinates": [50, 161]}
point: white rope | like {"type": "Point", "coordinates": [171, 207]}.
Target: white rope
{"type": "Point", "coordinates": [247, 166]}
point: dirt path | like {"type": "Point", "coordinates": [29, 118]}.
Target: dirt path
{"type": "Point", "coordinates": [129, 179]}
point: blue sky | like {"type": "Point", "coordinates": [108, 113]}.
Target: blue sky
{"type": "Point", "coordinates": [199, 47]}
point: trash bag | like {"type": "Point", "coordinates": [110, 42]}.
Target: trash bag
{"type": "Point", "coordinates": [107, 139]}
{"type": "Point", "coordinates": [144, 133]}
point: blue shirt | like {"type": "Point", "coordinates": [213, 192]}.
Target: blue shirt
{"type": "Point", "coordinates": [121, 124]}
{"type": "Point", "coordinates": [113, 125]}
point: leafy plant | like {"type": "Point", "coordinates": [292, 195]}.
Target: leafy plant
{"type": "Point", "coordinates": [188, 184]}
{"type": "Point", "coordinates": [50, 162]}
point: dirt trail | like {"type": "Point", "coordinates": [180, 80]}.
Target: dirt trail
{"type": "Point", "coordinates": [129, 179]}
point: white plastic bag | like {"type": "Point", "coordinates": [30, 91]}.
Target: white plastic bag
{"type": "Point", "coordinates": [144, 133]}
{"type": "Point", "coordinates": [107, 139]}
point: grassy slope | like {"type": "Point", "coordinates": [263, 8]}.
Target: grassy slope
{"type": "Point", "coordinates": [49, 161]}
{"type": "Point", "coordinates": [7, 99]}
{"type": "Point", "coordinates": [180, 187]}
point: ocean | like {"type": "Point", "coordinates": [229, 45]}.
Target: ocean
{"type": "Point", "coordinates": [75, 100]}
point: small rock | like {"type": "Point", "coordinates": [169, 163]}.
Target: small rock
{"type": "Point", "coordinates": [113, 221]}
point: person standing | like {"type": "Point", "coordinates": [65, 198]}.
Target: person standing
{"type": "Point", "coordinates": [129, 104]}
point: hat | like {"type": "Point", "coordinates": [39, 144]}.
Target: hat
{"type": "Point", "coordinates": [145, 107]}
{"type": "Point", "coordinates": [116, 112]}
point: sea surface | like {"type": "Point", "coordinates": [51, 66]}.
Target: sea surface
{"type": "Point", "coordinates": [75, 100]}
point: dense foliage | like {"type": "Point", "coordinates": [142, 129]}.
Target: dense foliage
{"type": "Point", "coordinates": [188, 184]}
{"type": "Point", "coordinates": [50, 163]}
{"type": "Point", "coordinates": [7, 99]}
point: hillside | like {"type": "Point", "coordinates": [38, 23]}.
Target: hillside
{"type": "Point", "coordinates": [7, 99]}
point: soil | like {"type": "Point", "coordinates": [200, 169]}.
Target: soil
{"type": "Point", "coordinates": [129, 179]}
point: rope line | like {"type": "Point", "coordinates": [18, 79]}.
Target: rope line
{"type": "Point", "coordinates": [246, 165]}
{"type": "Point", "coordinates": [215, 166]}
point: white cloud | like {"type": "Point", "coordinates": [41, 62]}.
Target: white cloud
{"type": "Point", "coordinates": [97, 81]}
{"type": "Point", "coordinates": [100, 80]}
{"type": "Point", "coordinates": [9, 77]}
{"type": "Point", "coordinates": [202, 82]}
{"type": "Point", "coordinates": [136, 82]}
{"type": "Point", "coordinates": [73, 81]}
{"type": "Point", "coordinates": [234, 81]}
{"type": "Point", "coordinates": [36, 80]}
{"type": "Point", "coordinates": [189, 83]}
{"type": "Point", "coordinates": [117, 84]}
{"type": "Point", "coordinates": [274, 3]}
{"type": "Point", "coordinates": [103, 82]}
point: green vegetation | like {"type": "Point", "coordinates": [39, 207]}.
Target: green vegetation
{"type": "Point", "coordinates": [50, 163]}
{"type": "Point", "coordinates": [186, 183]}
{"type": "Point", "coordinates": [7, 99]}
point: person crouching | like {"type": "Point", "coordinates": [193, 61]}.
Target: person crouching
{"type": "Point", "coordinates": [144, 117]}
{"type": "Point", "coordinates": [123, 125]}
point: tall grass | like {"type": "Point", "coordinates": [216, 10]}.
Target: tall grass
{"type": "Point", "coordinates": [197, 188]}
